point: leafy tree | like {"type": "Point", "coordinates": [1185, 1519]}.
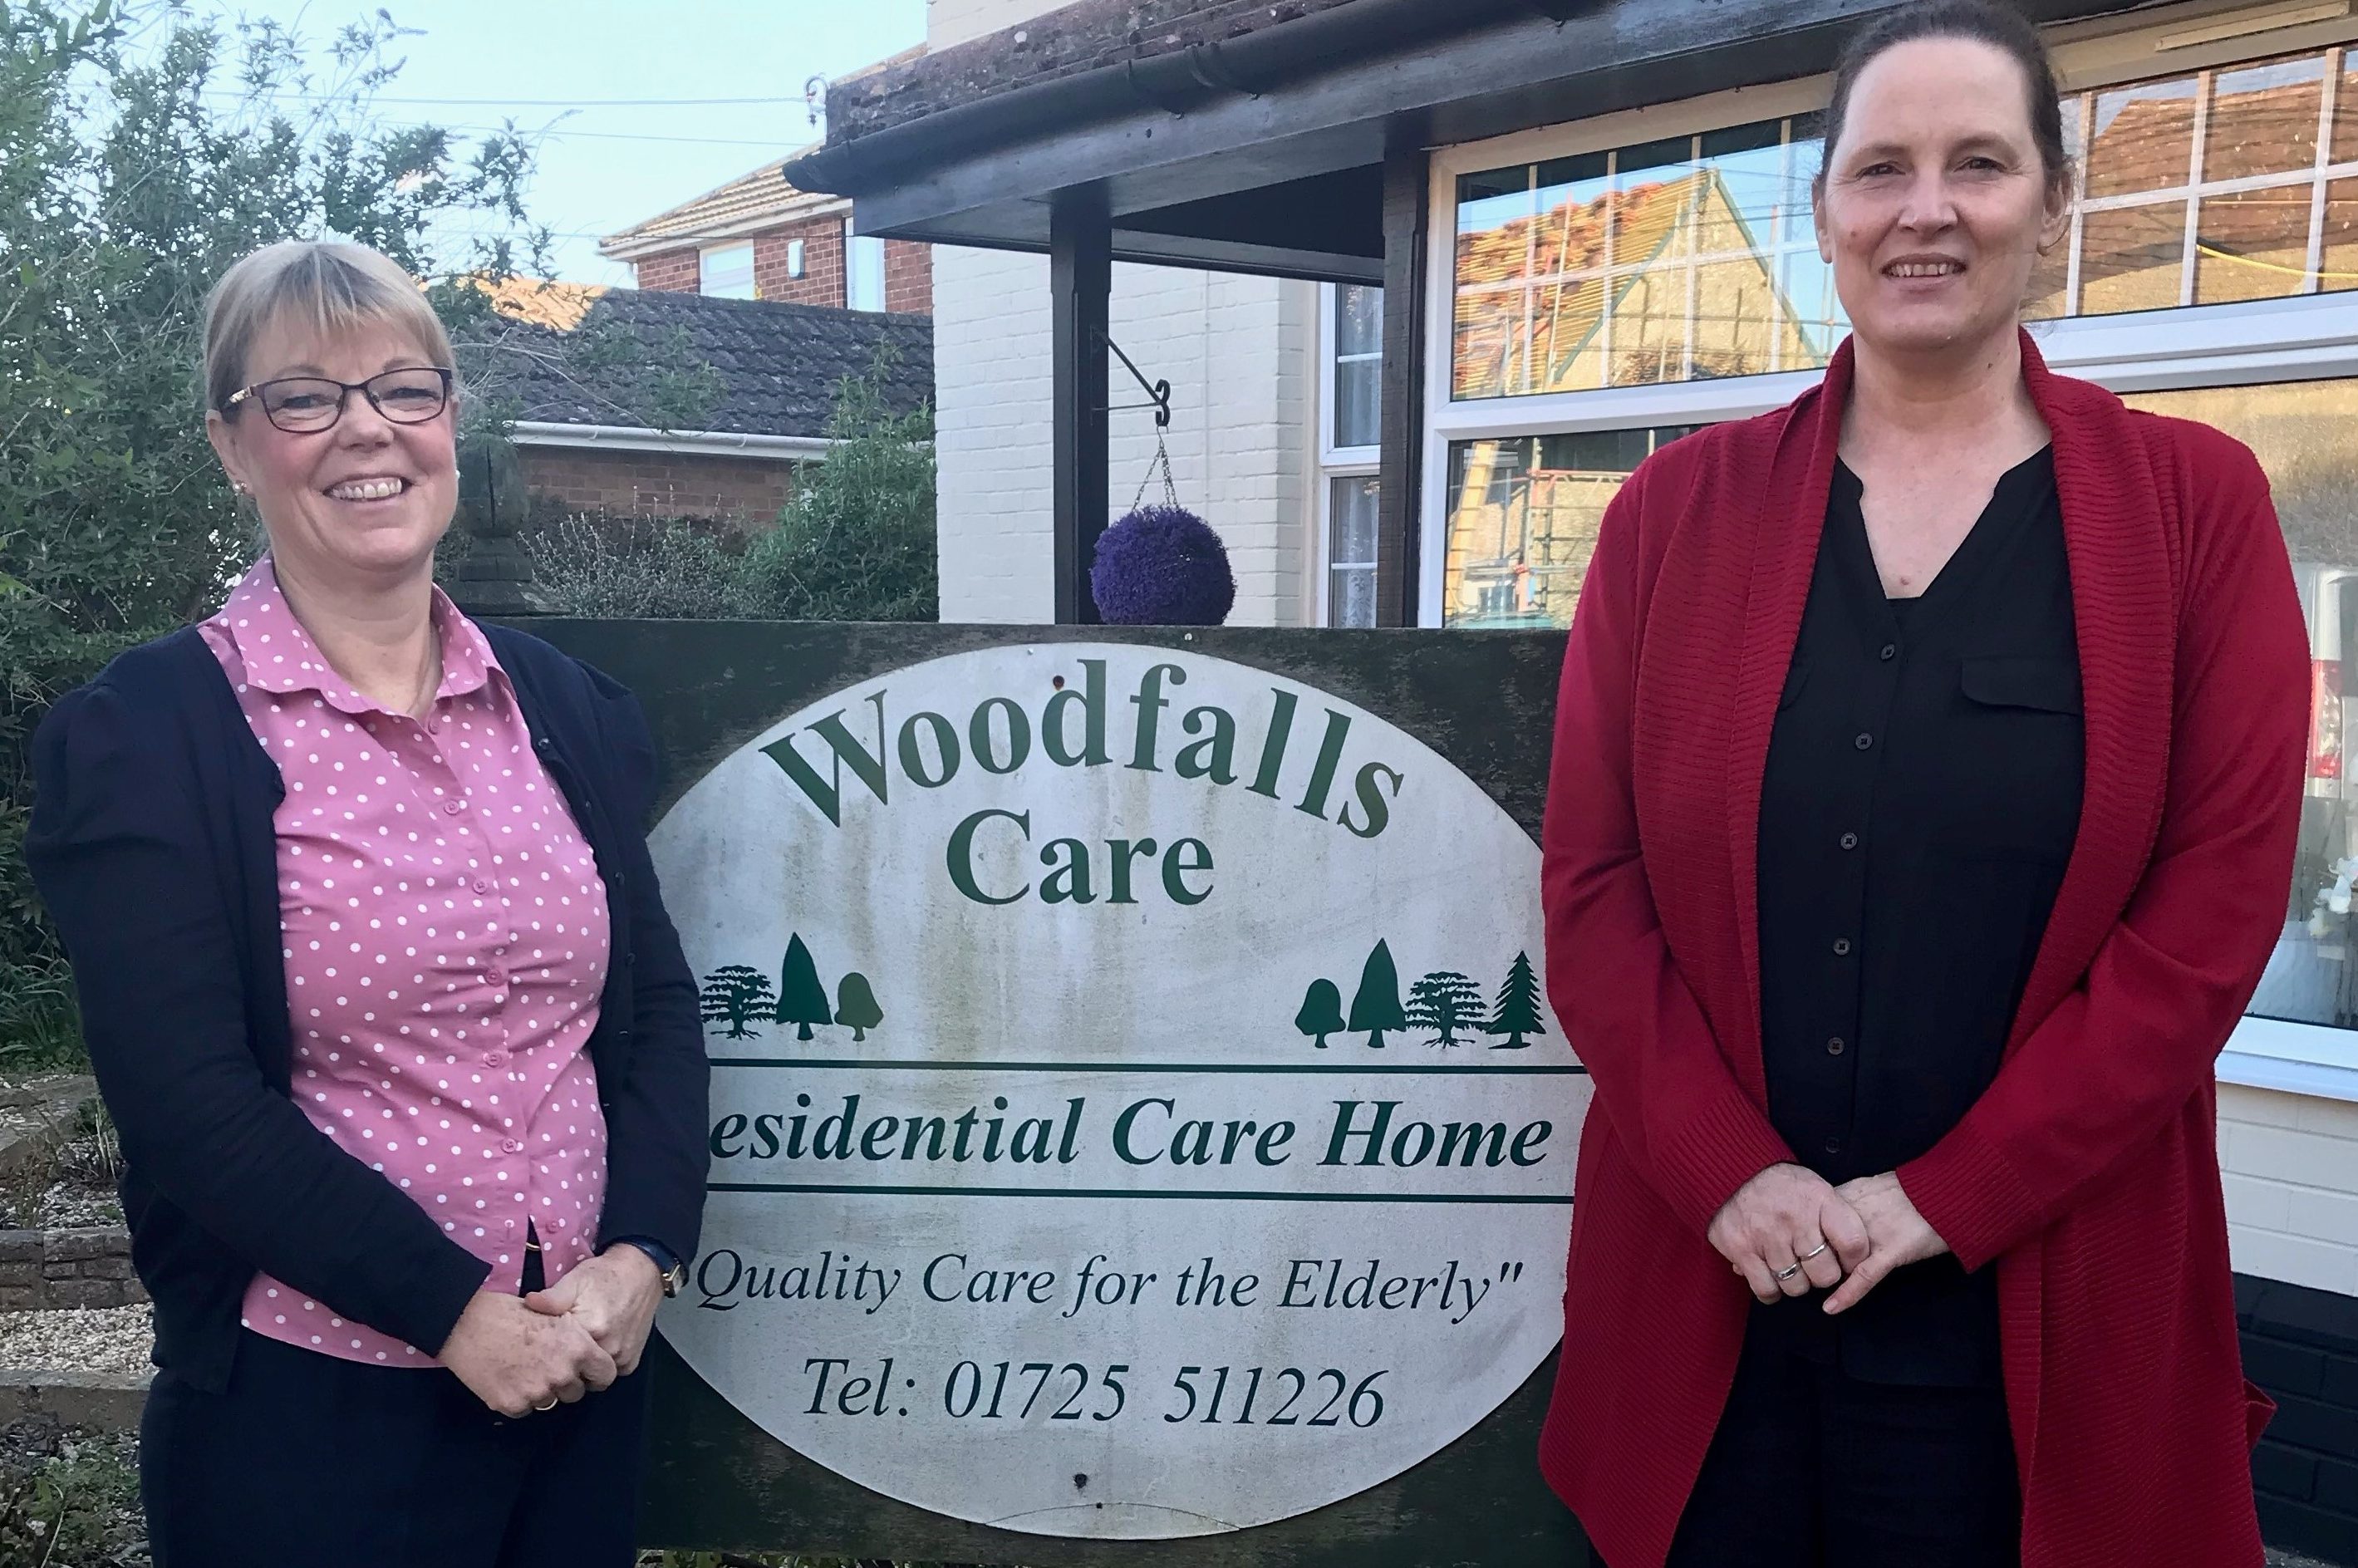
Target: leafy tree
{"type": "Point", "coordinates": [1516, 1012]}
{"type": "Point", "coordinates": [144, 147]}
{"type": "Point", "coordinates": [857, 543]}
{"type": "Point", "coordinates": [801, 998]}
{"type": "Point", "coordinates": [1322, 1012]}
{"type": "Point", "coordinates": [737, 995]}
{"type": "Point", "coordinates": [855, 1006]}
{"type": "Point", "coordinates": [1376, 1006]}
{"type": "Point", "coordinates": [1441, 1002]}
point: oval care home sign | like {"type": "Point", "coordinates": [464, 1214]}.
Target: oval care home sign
{"type": "Point", "coordinates": [1135, 1112]}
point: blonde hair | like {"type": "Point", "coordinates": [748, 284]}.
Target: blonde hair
{"type": "Point", "coordinates": [333, 287]}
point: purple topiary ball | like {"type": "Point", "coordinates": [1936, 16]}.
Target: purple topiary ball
{"type": "Point", "coordinates": [1162, 566]}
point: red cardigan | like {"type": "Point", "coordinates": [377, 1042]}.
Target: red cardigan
{"type": "Point", "coordinates": [2089, 1170]}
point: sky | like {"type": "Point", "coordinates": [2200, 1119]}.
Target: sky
{"type": "Point", "coordinates": [560, 67]}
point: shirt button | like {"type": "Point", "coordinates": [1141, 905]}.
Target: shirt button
{"type": "Point", "coordinates": [483, 885]}
{"type": "Point", "coordinates": [1833, 1145]}
{"type": "Point", "coordinates": [1842, 947]}
{"type": "Point", "coordinates": [450, 807]}
{"type": "Point", "coordinates": [1863, 741]}
{"type": "Point", "coordinates": [512, 1145]}
{"type": "Point", "coordinates": [1850, 840]}
{"type": "Point", "coordinates": [1834, 1046]}
{"type": "Point", "coordinates": [1889, 651]}
{"type": "Point", "coordinates": [495, 1059]}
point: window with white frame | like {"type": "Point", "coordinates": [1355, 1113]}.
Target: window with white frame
{"type": "Point", "coordinates": [725, 272]}
{"type": "Point", "coordinates": [1351, 357]}
{"type": "Point", "coordinates": [863, 271]}
{"type": "Point", "coordinates": [1598, 289]}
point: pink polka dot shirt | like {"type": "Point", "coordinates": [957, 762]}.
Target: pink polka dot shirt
{"type": "Point", "coordinates": [446, 937]}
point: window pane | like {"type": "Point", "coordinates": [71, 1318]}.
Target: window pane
{"type": "Point", "coordinates": [2144, 137]}
{"type": "Point", "coordinates": [727, 272]}
{"type": "Point", "coordinates": [2050, 284]}
{"type": "Point", "coordinates": [1739, 329]}
{"type": "Point", "coordinates": [1811, 301]}
{"type": "Point", "coordinates": [1523, 515]}
{"type": "Point", "coordinates": [1359, 366]}
{"type": "Point", "coordinates": [2129, 260]}
{"type": "Point", "coordinates": [2301, 433]}
{"type": "Point", "coordinates": [1351, 597]}
{"type": "Point", "coordinates": [863, 284]}
{"type": "Point", "coordinates": [1359, 318]}
{"type": "Point", "coordinates": [2338, 258]}
{"type": "Point", "coordinates": [1359, 389]}
{"type": "Point", "coordinates": [2345, 111]}
{"type": "Point", "coordinates": [2264, 120]}
{"type": "Point", "coordinates": [1351, 550]}
{"type": "Point", "coordinates": [2253, 245]}
{"type": "Point", "coordinates": [1494, 237]}
{"type": "Point", "coordinates": [1570, 280]}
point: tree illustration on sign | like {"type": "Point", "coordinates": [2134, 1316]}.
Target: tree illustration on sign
{"type": "Point", "coordinates": [855, 1006]}
{"type": "Point", "coordinates": [1517, 1010]}
{"type": "Point", "coordinates": [801, 998]}
{"type": "Point", "coordinates": [1376, 1006]}
{"type": "Point", "coordinates": [736, 996]}
{"type": "Point", "coordinates": [1322, 1012]}
{"type": "Point", "coordinates": [1443, 1000]}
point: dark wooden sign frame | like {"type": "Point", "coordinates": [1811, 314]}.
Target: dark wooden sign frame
{"type": "Point", "coordinates": [1485, 701]}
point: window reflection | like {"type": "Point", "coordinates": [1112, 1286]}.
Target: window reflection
{"type": "Point", "coordinates": [2300, 432]}
{"type": "Point", "coordinates": [1694, 257]}
{"type": "Point", "coordinates": [1661, 262]}
{"type": "Point", "coordinates": [1523, 515]}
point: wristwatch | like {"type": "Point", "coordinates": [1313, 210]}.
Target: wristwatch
{"type": "Point", "coordinates": [674, 1272]}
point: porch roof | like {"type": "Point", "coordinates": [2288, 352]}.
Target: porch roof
{"type": "Point", "coordinates": [1252, 138]}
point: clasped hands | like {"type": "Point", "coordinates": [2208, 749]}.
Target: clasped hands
{"type": "Point", "coordinates": [1848, 1236]}
{"type": "Point", "coordinates": [519, 1354]}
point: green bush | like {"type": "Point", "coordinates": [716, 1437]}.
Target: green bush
{"type": "Point", "coordinates": [856, 543]}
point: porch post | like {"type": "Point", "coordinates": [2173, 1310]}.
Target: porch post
{"type": "Point", "coordinates": [1081, 279]}
{"type": "Point", "coordinates": [1401, 475]}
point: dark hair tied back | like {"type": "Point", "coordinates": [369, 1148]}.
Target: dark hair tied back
{"type": "Point", "coordinates": [1983, 21]}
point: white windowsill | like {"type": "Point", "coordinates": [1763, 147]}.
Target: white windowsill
{"type": "Point", "coordinates": [2292, 1058]}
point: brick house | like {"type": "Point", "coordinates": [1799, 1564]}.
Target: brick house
{"type": "Point", "coordinates": [759, 238]}
{"type": "Point", "coordinates": [1401, 264]}
{"type": "Point", "coordinates": [647, 403]}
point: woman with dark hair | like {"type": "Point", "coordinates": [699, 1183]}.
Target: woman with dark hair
{"type": "Point", "coordinates": [1927, 775]}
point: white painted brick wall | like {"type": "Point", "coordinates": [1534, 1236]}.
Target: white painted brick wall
{"type": "Point", "coordinates": [2289, 1163]}
{"type": "Point", "coordinates": [950, 22]}
{"type": "Point", "coordinates": [1238, 355]}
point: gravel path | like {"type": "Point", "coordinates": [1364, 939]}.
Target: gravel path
{"type": "Point", "coordinates": [110, 1339]}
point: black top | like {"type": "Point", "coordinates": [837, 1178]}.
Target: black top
{"type": "Point", "coordinates": [1922, 791]}
{"type": "Point", "coordinates": [153, 843]}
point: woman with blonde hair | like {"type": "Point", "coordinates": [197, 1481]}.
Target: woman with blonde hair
{"type": "Point", "coordinates": [379, 987]}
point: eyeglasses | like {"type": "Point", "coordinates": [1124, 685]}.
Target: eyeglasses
{"type": "Point", "coordinates": [304, 405]}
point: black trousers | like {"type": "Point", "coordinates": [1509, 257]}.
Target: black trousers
{"type": "Point", "coordinates": [306, 1459]}
{"type": "Point", "coordinates": [1813, 1469]}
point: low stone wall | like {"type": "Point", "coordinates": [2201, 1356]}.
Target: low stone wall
{"type": "Point", "coordinates": [49, 1269]}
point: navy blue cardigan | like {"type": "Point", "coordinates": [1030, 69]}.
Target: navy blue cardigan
{"type": "Point", "coordinates": [152, 843]}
